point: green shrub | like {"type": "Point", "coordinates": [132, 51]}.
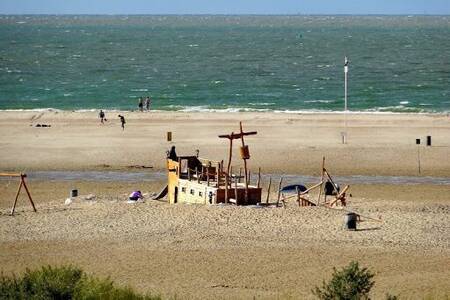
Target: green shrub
{"type": "Point", "coordinates": [10, 288]}
{"type": "Point", "coordinates": [90, 288]}
{"type": "Point", "coordinates": [51, 283]}
{"type": "Point", "coordinates": [351, 283]}
{"type": "Point", "coordinates": [64, 283]}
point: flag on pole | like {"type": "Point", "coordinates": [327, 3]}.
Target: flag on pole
{"type": "Point", "coordinates": [346, 65]}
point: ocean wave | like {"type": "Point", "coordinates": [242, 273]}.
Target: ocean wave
{"type": "Point", "coordinates": [319, 101]}
{"type": "Point", "coordinates": [32, 109]}
{"type": "Point", "coordinates": [228, 109]}
{"type": "Point", "coordinates": [262, 103]}
{"type": "Point", "coordinates": [399, 109]}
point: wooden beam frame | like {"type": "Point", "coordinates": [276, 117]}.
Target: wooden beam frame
{"type": "Point", "coordinates": [22, 183]}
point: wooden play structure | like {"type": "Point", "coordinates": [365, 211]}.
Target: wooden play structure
{"type": "Point", "coordinates": [329, 193]}
{"type": "Point", "coordinates": [192, 179]}
{"type": "Point", "coordinates": [22, 183]}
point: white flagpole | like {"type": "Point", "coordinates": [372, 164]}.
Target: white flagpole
{"type": "Point", "coordinates": [344, 134]}
{"type": "Point", "coordinates": [345, 82]}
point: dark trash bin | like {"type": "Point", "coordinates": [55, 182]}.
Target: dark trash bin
{"type": "Point", "coordinates": [350, 221]}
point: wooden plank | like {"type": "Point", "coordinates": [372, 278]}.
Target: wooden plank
{"type": "Point", "coordinates": [237, 135]}
{"type": "Point", "coordinates": [12, 174]}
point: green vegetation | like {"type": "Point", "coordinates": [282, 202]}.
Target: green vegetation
{"type": "Point", "coordinates": [351, 283]}
{"type": "Point", "coordinates": [64, 283]}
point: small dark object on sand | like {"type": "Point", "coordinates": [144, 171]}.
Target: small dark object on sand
{"type": "Point", "coordinates": [43, 125]}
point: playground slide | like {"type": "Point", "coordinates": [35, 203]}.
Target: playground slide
{"type": "Point", "coordinates": [161, 194]}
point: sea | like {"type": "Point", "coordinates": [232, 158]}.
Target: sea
{"type": "Point", "coordinates": [283, 63]}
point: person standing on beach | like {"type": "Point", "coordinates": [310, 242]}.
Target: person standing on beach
{"type": "Point", "coordinates": [101, 115]}
{"type": "Point", "coordinates": [122, 121]}
{"type": "Point", "coordinates": [147, 103]}
{"type": "Point", "coordinates": [141, 103]}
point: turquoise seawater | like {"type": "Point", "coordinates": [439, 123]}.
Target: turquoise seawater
{"type": "Point", "coordinates": [267, 63]}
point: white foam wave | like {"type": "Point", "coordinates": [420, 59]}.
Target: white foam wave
{"type": "Point", "coordinates": [33, 109]}
{"type": "Point", "coordinates": [262, 103]}
{"type": "Point", "coordinates": [228, 109]}
{"type": "Point", "coordinates": [318, 101]}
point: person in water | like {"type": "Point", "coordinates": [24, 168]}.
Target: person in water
{"type": "Point", "coordinates": [135, 196]}
{"type": "Point", "coordinates": [122, 121]}
{"type": "Point", "coordinates": [101, 115]}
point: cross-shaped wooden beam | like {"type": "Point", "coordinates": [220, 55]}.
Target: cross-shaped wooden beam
{"type": "Point", "coordinates": [232, 137]}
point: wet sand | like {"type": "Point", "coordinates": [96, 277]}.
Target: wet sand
{"type": "Point", "coordinates": [378, 144]}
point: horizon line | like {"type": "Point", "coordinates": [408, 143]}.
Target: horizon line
{"type": "Point", "coordinates": [220, 14]}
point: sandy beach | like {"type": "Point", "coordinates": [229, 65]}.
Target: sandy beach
{"type": "Point", "coordinates": [378, 144]}
{"type": "Point", "coordinates": [229, 252]}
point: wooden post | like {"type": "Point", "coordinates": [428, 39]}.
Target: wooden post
{"type": "Point", "coordinates": [230, 154]}
{"type": "Point", "coordinates": [207, 176]}
{"type": "Point", "coordinates": [298, 196]}
{"type": "Point", "coordinates": [22, 177]}
{"type": "Point", "coordinates": [203, 172]}
{"type": "Point", "coordinates": [268, 189]}
{"type": "Point", "coordinates": [249, 177]}
{"type": "Point", "coordinates": [279, 190]}
{"type": "Point", "coordinates": [258, 183]}
{"type": "Point", "coordinates": [236, 192]}
{"type": "Point", "coordinates": [228, 168]}
{"type": "Point", "coordinates": [226, 188]}
{"type": "Point", "coordinates": [245, 163]}
{"type": "Point", "coordinates": [240, 174]}
{"type": "Point", "coordinates": [17, 197]}
{"type": "Point", "coordinates": [231, 177]}
{"type": "Point", "coordinates": [218, 174]}
{"type": "Point", "coordinates": [321, 180]}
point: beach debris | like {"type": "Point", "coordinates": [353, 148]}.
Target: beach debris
{"type": "Point", "coordinates": [42, 125]}
{"type": "Point", "coordinates": [88, 197]}
{"type": "Point", "coordinates": [22, 183]}
{"type": "Point", "coordinates": [326, 188]}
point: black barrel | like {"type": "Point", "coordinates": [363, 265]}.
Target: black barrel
{"type": "Point", "coordinates": [428, 140]}
{"type": "Point", "coordinates": [74, 193]}
{"type": "Point", "coordinates": [350, 221]}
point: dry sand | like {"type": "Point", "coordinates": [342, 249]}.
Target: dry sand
{"type": "Point", "coordinates": [192, 251]}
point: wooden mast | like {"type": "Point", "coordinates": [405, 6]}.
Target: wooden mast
{"type": "Point", "coordinates": [231, 137]}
